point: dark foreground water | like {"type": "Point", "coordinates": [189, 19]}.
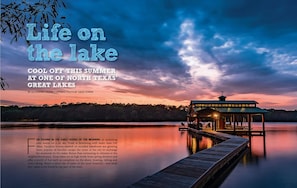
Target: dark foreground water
{"type": "Point", "coordinates": [91, 157]}
{"type": "Point", "coordinates": [271, 161]}
{"type": "Point", "coordinates": [117, 157]}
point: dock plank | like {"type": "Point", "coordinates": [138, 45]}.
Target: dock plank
{"type": "Point", "coordinates": [162, 179]}
{"type": "Point", "coordinates": [197, 169]}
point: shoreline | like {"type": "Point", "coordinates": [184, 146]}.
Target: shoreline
{"type": "Point", "coordinates": [7, 125]}
{"type": "Point", "coordinates": [28, 124]}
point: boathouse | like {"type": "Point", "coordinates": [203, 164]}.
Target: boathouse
{"type": "Point", "coordinates": [229, 116]}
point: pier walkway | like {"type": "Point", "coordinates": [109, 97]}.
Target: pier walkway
{"type": "Point", "coordinates": [198, 169]}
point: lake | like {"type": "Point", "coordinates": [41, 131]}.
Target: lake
{"type": "Point", "coordinates": [118, 157]}
{"type": "Point", "coordinates": [271, 160]}
{"type": "Point", "coordinates": [92, 157]}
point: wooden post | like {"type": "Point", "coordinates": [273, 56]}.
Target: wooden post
{"type": "Point", "coordinates": [249, 123]}
{"type": "Point", "coordinates": [197, 122]}
{"type": "Point", "coordinates": [218, 123]}
{"type": "Point", "coordinates": [263, 124]}
{"type": "Point", "coordinates": [264, 146]}
{"type": "Point", "coordinates": [212, 128]}
{"type": "Point", "coordinates": [233, 118]}
{"type": "Point", "coordinates": [234, 127]}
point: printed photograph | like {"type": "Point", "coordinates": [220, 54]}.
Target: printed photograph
{"type": "Point", "coordinates": [150, 93]}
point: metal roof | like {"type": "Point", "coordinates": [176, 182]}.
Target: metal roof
{"type": "Point", "coordinates": [223, 102]}
{"type": "Point", "coordinates": [248, 110]}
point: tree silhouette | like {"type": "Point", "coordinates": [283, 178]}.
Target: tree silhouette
{"type": "Point", "coordinates": [3, 83]}
{"type": "Point", "coordinates": [90, 112]}
{"type": "Point", "coordinates": [15, 16]}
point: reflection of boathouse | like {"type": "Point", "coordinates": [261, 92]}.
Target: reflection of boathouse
{"type": "Point", "coordinates": [234, 116]}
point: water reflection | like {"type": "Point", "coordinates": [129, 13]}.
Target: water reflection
{"type": "Point", "coordinates": [255, 154]}
{"type": "Point", "coordinates": [196, 142]}
{"type": "Point", "coordinates": [91, 157]}
{"type": "Point", "coordinates": [270, 161]}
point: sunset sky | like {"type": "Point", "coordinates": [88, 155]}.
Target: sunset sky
{"type": "Point", "coordinates": [170, 52]}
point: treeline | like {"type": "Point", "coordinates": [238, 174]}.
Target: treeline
{"type": "Point", "coordinates": [280, 116]}
{"type": "Point", "coordinates": [89, 112]}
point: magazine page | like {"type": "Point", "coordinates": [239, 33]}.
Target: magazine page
{"type": "Point", "coordinates": [151, 93]}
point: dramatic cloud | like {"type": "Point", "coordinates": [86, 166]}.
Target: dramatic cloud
{"type": "Point", "coordinates": [181, 50]}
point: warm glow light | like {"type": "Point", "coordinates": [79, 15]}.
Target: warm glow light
{"type": "Point", "coordinates": [194, 145]}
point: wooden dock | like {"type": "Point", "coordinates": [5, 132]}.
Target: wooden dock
{"type": "Point", "coordinates": [182, 128]}
{"type": "Point", "coordinates": [198, 169]}
{"type": "Point", "coordinates": [243, 132]}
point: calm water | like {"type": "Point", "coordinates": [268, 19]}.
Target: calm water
{"type": "Point", "coordinates": [91, 157]}
{"type": "Point", "coordinates": [271, 161]}
{"type": "Point", "coordinates": [117, 157]}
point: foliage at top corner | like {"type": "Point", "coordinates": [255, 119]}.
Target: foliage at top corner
{"type": "Point", "coordinates": [15, 15]}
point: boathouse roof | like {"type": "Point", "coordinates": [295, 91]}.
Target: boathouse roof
{"type": "Point", "coordinates": [228, 106]}
{"type": "Point", "coordinates": [222, 102]}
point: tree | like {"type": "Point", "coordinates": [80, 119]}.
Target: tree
{"type": "Point", "coordinates": [3, 83]}
{"type": "Point", "coordinates": [15, 16]}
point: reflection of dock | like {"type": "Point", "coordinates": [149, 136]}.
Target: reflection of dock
{"type": "Point", "coordinates": [221, 117]}
{"type": "Point", "coordinates": [198, 169]}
